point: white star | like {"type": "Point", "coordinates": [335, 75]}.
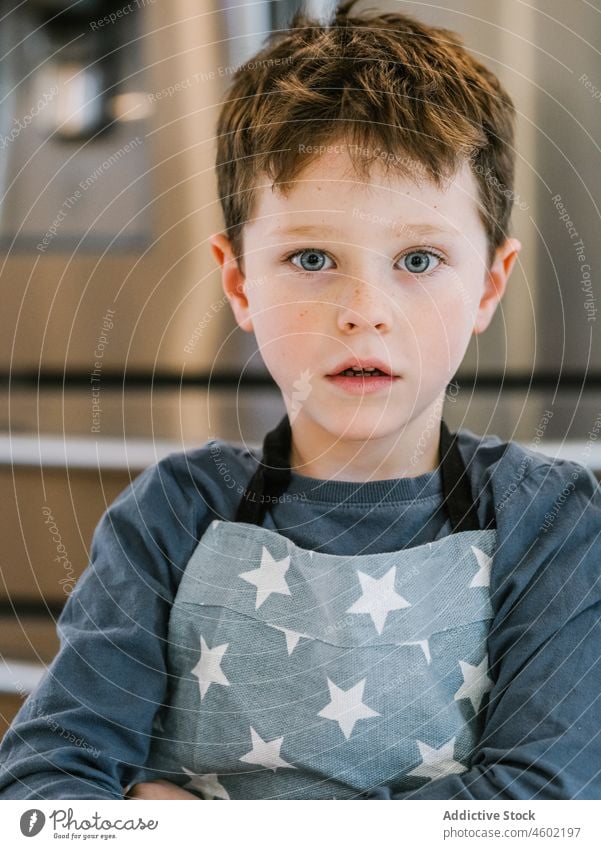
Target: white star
{"type": "Point", "coordinates": [207, 785]}
{"type": "Point", "coordinates": [379, 598]}
{"type": "Point", "coordinates": [424, 646]}
{"type": "Point", "coordinates": [437, 762]}
{"type": "Point", "coordinates": [269, 577]}
{"type": "Point", "coordinates": [208, 669]}
{"type": "Point", "coordinates": [265, 754]}
{"type": "Point", "coordinates": [292, 637]}
{"type": "Point", "coordinates": [346, 707]}
{"type": "Point", "coordinates": [476, 682]}
{"type": "Point", "coordinates": [482, 576]}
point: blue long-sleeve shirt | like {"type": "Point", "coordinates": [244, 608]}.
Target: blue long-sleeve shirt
{"type": "Point", "coordinates": [86, 730]}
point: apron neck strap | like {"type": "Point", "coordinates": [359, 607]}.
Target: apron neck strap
{"type": "Point", "coordinates": [272, 478]}
{"type": "Point", "coordinates": [458, 498]}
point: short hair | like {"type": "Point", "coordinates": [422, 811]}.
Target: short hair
{"type": "Point", "coordinates": [383, 82]}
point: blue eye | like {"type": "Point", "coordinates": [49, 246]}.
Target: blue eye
{"type": "Point", "coordinates": [415, 261]}
{"type": "Point", "coordinates": [311, 259]}
{"type": "Point", "coordinates": [420, 261]}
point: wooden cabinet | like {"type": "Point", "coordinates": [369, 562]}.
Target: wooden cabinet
{"type": "Point", "coordinates": [46, 524]}
{"type": "Point", "coordinates": [47, 520]}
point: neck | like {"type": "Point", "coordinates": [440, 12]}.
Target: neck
{"type": "Point", "coordinates": [317, 453]}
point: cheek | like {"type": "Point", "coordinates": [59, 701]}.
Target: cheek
{"type": "Point", "coordinates": [287, 333]}
{"type": "Point", "coordinates": [440, 326]}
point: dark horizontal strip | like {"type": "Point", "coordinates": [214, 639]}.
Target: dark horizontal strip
{"type": "Point", "coordinates": [146, 379]}
{"type": "Point", "coordinates": [30, 609]}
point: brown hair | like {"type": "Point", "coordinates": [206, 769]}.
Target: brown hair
{"type": "Point", "coordinates": [383, 82]}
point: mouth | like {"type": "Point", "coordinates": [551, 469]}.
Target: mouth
{"type": "Point", "coordinates": [362, 376]}
{"type": "Point", "coordinates": [362, 368]}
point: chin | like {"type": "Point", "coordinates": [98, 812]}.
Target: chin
{"type": "Point", "coordinates": [364, 426]}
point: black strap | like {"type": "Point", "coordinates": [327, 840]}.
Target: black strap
{"type": "Point", "coordinates": [272, 478]}
{"type": "Point", "coordinates": [458, 498]}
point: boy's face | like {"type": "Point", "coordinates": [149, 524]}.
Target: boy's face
{"type": "Point", "coordinates": [364, 280]}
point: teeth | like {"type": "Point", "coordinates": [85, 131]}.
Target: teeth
{"type": "Point", "coordinates": [353, 372]}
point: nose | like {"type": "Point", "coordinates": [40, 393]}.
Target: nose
{"type": "Point", "coordinates": [363, 306]}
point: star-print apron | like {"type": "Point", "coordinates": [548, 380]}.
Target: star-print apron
{"type": "Point", "coordinates": [298, 674]}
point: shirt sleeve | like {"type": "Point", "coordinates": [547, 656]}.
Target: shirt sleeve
{"type": "Point", "coordinates": [542, 723]}
{"type": "Point", "coordinates": [86, 729]}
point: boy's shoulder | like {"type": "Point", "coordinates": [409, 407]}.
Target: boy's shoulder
{"type": "Point", "coordinates": [218, 468]}
{"type": "Point", "coordinates": [205, 482]}
{"type": "Point", "coordinates": [492, 451]}
{"type": "Point", "coordinates": [214, 454]}
{"type": "Point", "coordinates": [519, 477]}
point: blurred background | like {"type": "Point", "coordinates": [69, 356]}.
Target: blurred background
{"type": "Point", "coordinates": [117, 345]}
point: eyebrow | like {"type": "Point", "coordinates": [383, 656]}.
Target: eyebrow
{"type": "Point", "coordinates": [398, 230]}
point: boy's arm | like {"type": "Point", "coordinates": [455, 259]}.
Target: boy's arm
{"type": "Point", "coordinates": [542, 733]}
{"type": "Point", "coordinates": [88, 724]}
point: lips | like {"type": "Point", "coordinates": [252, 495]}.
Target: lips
{"type": "Point", "coordinates": [353, 362]}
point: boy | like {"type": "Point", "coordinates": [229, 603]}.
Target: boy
{"type": "Point", "coordinates": [376, 609]}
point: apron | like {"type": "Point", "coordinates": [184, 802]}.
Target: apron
{"type": "Point", "coordinates": [298, 674]}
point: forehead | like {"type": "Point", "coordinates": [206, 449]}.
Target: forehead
{"type": "Point", "coordinates": [328, 188]}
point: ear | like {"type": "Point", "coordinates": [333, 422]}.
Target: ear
{"type": "Point", "coordinates": [232, 279]}
{"type": "Point", "coordinates": [496, 282]}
